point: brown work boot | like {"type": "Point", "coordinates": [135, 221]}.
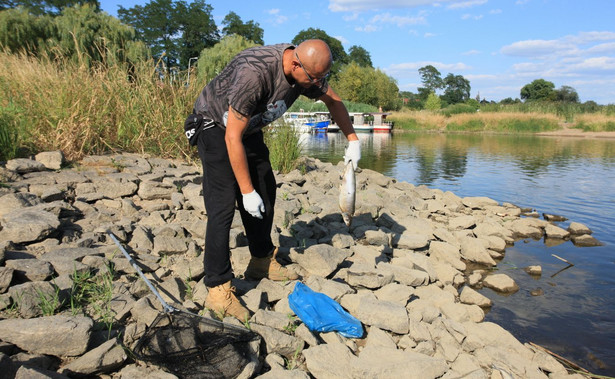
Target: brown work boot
{"type": "Point", "coordinates": [222, 300]}
{"type": "Point", "coordinates": [268, 267]}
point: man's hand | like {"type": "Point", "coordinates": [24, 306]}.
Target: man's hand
{"type": "Point", "coordinates": [353, 153]}
{"type": "Point", "coordinates": [253, 204]}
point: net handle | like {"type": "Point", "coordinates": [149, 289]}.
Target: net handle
{"type": "Point", "coordinates": [167, 308]}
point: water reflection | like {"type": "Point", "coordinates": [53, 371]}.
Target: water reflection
{"type": "Point", "coordinates": [566, 176]}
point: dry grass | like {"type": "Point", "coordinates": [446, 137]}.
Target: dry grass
{"type": "Point", "coordinates": [79, 110]}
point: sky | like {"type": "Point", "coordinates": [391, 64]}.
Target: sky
{"type": "Point", "coordinates": [498, 45]}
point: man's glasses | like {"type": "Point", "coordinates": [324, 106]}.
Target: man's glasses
{"type": "Point", "coordinates": [312, 80]}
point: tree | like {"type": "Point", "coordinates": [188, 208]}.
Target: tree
{"type": "Point", "coordinates": [80, 33]}
{"type": "Point", "coordinates": [433, 102]}
{"type": "Point", "coordinates": [249, 30]}
{"type": "Point", "coordinates": [213, 59]}
{"type": "Point", "coordinates": [49, 7]}
{"type": "Point", "coordinates": [457, 89]}
{"type": "Point", "coordinates": [360, 56]}
{"type": "Point", "coordinates": [432, 81]}
{"type": "Point", "coordinates": [539, 89]}
{"type": "Point", "coordinates": [174, 31]}
{"type": "Point", "coordinates": [366, 85]}
{"type": "Point", "coordinates": [198, 29]}
{"type": "Point", "coordinates": [567, 94]}
{"type": "Point", "coordinates": [340, 57]}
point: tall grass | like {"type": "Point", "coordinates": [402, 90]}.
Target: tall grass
{"type": "Point", "coordinates": [284, 147]}
{"type": "Point", "coordinates": [475, 122]}
{"type": "Point", "coordinates": [81, 110]}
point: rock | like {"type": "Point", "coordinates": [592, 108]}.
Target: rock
{"type": "Point", "coordinates": [23, 165]}
{"type": "Point", "coordinates": [333, 361]}
{"type": "Point", "coordinates": [552, 217]}
{"type": "Point", "coordinates": [52, 160]}
{"type": "Point", "coordinates": [585, 240]}
{"type": "Point", "coordinates": [474, 250]}
{"type": "Point", "coordinates": [6, 276]}
{"type": "Point", "coordinates": [35, 298]}
{"type": "Point", "coordinates": [105, 358]}
{"type": "Point", "coordinates": [367, 277]}
{"type": "Point", "coordinates": [21, 226]}
{"type": "Point", "coordinates": [470, 296]}
{"type": "Point", "coordinates": [412, 241]}
{"type": "Point", "coordinates": [383, 314]}
{"type": "Point", "coordinates": [19, 200]}
{"type": "Point", "coordinates": [578, 228]}
{"type": "Point", "coordinates": [552, 231]}
{"type": "Point", "coordinates": [52, 335]}
{"type": "Point", "coordinates": [320, 259]}
{"type": "Point", "coordinates": [534, 270]}
{"type": "Point", "coordinates": [379, 362]}
{"type": "Point", "coordinates": [478, 202]}
{"type": "Point", "coordinates": [30, 269]}
{"type": "Point", "coordinates": [26, 372]}
{"type": "Point", "coordinates": [501, 283]}
{"type": "Point", "coordinates": [277, 341]}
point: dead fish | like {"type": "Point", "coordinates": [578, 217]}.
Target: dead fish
{"type": "Point", "coordinates": [348, 189]}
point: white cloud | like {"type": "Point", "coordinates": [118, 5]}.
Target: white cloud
{"type": "Point", "coordinates": [429, 35]}
{"type": "Point", "coordinates": [471, 52]}
{"type": "Point", "coordinates": [466, 4]}
{"type": "Point", "coordinates": [341, 39]}
{"type": "Point", "coordinates": [367, 28]}
{"type": "Point", "coordinates": [363, 5]}
{"type": "Point", "coordinates": [468, 16]}
{"type": "Point", "coordinates": [400, 21]}
{"type": "Point", "coordinates": [495, 11]}
{"type": "Point", "coordinates": [412, 67]}
{"type": "Point", "coordinates": [536, 48]}
{"type": "Point", "coordinates": [277, 18]}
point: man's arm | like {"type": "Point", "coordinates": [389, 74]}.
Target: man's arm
{"type": "Point", "coordinates": [339, 113]}
{"type": "Point", "coordinates": [236, 125]}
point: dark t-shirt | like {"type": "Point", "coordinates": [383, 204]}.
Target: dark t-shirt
{"type": "Point", "coordinates": [253, 83]}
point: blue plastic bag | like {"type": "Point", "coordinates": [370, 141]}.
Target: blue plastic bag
{"type": "Point", "coordinates": [320, 313]}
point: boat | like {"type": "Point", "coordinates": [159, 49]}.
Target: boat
{"type": "Point", "coordinates": [367, 122]}
{"type": "Point", "coordinates": [308, 122]}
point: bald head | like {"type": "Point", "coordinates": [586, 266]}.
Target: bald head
{"type": "Point", "coordinates": [315, 55]}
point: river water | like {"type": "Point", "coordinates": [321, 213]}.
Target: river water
{"type": "Point", "coordinates": [572, 177]}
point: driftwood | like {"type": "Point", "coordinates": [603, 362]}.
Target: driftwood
{"type": "Point", "coordinates": [561, 359]}
{"type": "Point", "coordinates": [563, 260]}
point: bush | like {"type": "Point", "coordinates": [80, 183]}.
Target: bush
{"type": "Point", "coordinates": [468, 126]}
{"type": "Point", "coordinates": [284, 147]}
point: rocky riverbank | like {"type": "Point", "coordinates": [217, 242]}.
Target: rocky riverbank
{"type": "Point", "coordinates": [401, 269]}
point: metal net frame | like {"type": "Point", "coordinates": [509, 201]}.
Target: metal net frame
{"type": "Point", "coordinates": [191, 346]}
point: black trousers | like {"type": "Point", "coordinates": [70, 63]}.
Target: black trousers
{"type": "Point", "coordinates": [221, 193]}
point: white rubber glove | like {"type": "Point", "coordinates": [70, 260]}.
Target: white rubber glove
{"type": "Point", "coordinates": [253, 203]}
{"type": "Point", "coordinates": [353, 153]}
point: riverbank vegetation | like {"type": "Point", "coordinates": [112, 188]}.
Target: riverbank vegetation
{"type": "Point", "coordinates": [78, 80]}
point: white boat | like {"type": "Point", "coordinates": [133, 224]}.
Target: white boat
{"type": "Point", "coordinates": [367, 122]}
{"type": "Point", "coordinates": [308, 122]}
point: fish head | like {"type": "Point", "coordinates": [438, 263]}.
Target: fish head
{"type": "Point", "coordinates": [347, 218]}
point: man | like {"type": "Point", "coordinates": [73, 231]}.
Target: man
{"type": "Point", "coordinates": [253, 90]}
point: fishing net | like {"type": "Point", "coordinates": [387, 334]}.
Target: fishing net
{"type": "Point", "coordinates": [191, 346]}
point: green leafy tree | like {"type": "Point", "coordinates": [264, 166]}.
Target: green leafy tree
{"type": "Point", "coordinates": [433, 102]}
{"type": "Point", "coordinates": [250, 30]}
{"type": "Point", "coordinates": [431, 79]}
{"type": "Point", "coordinates": [360, 56]}
{"type": "Point", "coordinates": [157, 24]}
{"type": "Point", "coordinates": [213, 59]}
{"type": "Point", "coordinates": [340, 57]}
{"type": "Point", "coordinates": [567, 94]}
{"type": "Point", "coordinates": [49, 7]}
{"type": "Point", "coordinates": [366, 85]}
{"type": "Point", "coordinates": [539, 89]}
{"type": "Point", "coordinates": [21, 31]}
{"type": "Point", "coordinates": [79, 33]}
{"type": "Point", "coordinates": [175, 31]}
{"type": "Point", "coordinates": [456, 89]}
{"type": "Point", "coordinates": [198, 29]}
